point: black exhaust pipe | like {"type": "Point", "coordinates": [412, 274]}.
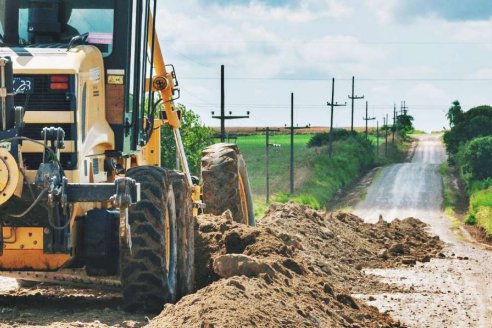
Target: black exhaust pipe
{"type": "Point", "coordinates": [7, 112]}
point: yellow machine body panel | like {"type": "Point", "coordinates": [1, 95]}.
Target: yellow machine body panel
{"type": "Point", "coordinates": [94, 134]}
{"type": "Point", "coordinates": [23, 250]}
{"type": "Point", "coordinates": [22, 238]}
{"type": "Point", "coordinates": [23, 246]}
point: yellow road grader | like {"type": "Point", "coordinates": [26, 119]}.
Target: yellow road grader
{"type": "Point", "coordinates": [84, 91]}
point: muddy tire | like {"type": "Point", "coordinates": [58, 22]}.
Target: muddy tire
{"type": "Point", "coordinates": [148, 272]}
{"type": "Point", "coordinates": [185, 223]}
{"type": "Point", "coordinates": [226, 184]}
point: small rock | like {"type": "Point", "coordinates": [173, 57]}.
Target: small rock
{"type": "Point", "coordinates": [228, 215]}
{"type": "Point", "coordinates": [383, 254]}
{"type": "Point", "coordinates": [408, 260]}
{"type": "Point", "coordinates": [425, 259]}
{"type": "Point", "coordinates": [372, 298]}
{"type": "Point", "coordinates": [397, 248]}
{"type": "Point", "coordinates": [293, 266]}
{"type": "Point", "coordinates": [347, 300]}
{"type": "Point", "coordinates": [268, 279]}
{"type": "Point", "coordinates": [328, 289]}
{"type": "Point", "coordinates": [207, 227]}
{"type": "Point", "coordinates": [236, 284]}
{"type": "Point", "coordinates": [230, 265]}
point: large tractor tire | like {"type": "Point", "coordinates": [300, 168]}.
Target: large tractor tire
{"type": "Point", "coordinates": [148, 269]}
{"type": "Point", "coordinates": [226, 184]}
{"type": "Point", "coordinates": [185, 223]}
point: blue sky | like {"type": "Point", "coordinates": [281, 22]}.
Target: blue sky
{"type": "Point", "coordinates": [427, 52]}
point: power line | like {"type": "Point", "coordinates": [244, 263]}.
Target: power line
{"type": "Point", "coordinates": [331, 41]}
{"type": "Point", "coordinates": [376, 107]}
{"type": "Point", "coordinates": [264, 78]}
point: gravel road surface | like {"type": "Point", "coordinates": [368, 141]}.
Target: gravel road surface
{"type": "Point", "coordinates": [454, 291]}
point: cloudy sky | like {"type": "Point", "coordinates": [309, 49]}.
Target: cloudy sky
{"type": "Point", "coordinates": [427, 52]}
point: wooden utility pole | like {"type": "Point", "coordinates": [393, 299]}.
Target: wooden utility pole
{"type": "Point", "coordinates": [267, 131]}
{"type": "Point", "coordinates": [292, 143]}
{"type": "Point", "coordinates": [332, 105]}
{"type": "Point", "coordinates": [367, 119]}
{"type": "Point", "coordinates": [292, 131]}
{"type": "Point", "coordinates": [222, 103]}
{"type": "Point", "coordinates": [386, 136]}
{"type": "Point", "coordinates": [353, 97]}
{"type": "Point", "coordinates": [394, 125]}
{"type": "Point", "coordinates": [223, 116]}
{"type": "Point", "coordinates": [404, 108]}
{"type": "Point", "coordinates": [377, 139]}
{"type": "Point", "coordinates": [267, 163]}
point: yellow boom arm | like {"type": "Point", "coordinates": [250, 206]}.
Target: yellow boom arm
{"type": "Point", "coordinates": [166, 94]}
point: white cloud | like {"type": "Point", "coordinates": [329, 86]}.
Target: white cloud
{"type": "Point", "coordinates": [410, 72]}
{"type": "Point", "coordinates": [262, 51]}
{"type": "Point", "coordinates": [473, 31]}
{"type": "Point", "coordinates": [483, 73]}
{"type": "Point", "coordinates": [306, 11]}
{"type": "Point", "coordinates": [451, 10]}
{"type": "Point", "coordinates": [428, 93]}
{"type": "Point", "coordinates": [384, 9]}
{"type": "Point", "coordinates": [333, 50]}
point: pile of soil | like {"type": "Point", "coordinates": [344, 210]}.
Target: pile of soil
{"type": "Point", "coordinates": [297, 268]}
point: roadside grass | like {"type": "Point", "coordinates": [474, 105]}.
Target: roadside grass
{"type": "Point", "coordinates": [480, 204]}
{"type": "Point", "coordinates": [253, 148]}
{"type": "Point", "coordinates": [417, 132]}
{"type": "Point", "coordinates": [449, 194]}
{"type": "Point", "coordinates": [481, 210]}
{"type": "Point", "coordinates": [317, 177]}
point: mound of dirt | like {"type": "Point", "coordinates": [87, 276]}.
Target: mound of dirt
{"type": "Point", "coordinates": [297, 268]}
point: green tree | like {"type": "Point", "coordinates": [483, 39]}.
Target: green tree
{"type": "Point", "coordinates": [404, 123]}
{"type": "Point", "coordinates": [476, 122]}
{"type": "Point", "coordinates": [455, 114]}
{"type": "Point", "coordinates": [195, 138]}
{"type": "Point", "coordinates": [477, 159]}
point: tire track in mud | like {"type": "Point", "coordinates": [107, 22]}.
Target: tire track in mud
{"type": "Point", "coordinates": [58, 306]}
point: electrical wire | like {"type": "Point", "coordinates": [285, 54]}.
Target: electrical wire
{"type": "Point", "coordinates": [52, 224]}
{"type": "Point", "coordinates": [36, 201]}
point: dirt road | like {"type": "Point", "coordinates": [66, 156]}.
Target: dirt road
{"type": "Point", "coordinates": [454, 291]}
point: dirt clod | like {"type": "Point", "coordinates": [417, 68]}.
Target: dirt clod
{"type": "Point", "coordinates": [300, 264]}
{"type": "Point", "coordinates": [229, 265]}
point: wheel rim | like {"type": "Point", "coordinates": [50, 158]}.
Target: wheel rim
{"type": "Point", "coordinates": [244, 200]}
{"type": "Point", "coordinates": [167, 233]}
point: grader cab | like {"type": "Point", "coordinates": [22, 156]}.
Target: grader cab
{"type": "Point", "coordinates": [84, 90]}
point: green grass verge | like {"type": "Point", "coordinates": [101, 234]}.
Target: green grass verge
{"type": "Point", "coordinates": [417, 132]}
{"type": "Point", "coordinates": [481, 210]}
{"type": "Point", "coordinates": [317, 177]}
{"type": "Point", "coordinates": [449, 194]}
{"type": "Point", "coordinates": [253, 149]}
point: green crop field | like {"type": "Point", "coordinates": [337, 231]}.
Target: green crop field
{"type": "Point", "coordinates": [254, 150]}
{"type": "Point", "coordinates": [317, 177]}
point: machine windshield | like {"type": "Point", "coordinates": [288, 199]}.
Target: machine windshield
{"type": "Point", "coordinates": [53, 23]}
